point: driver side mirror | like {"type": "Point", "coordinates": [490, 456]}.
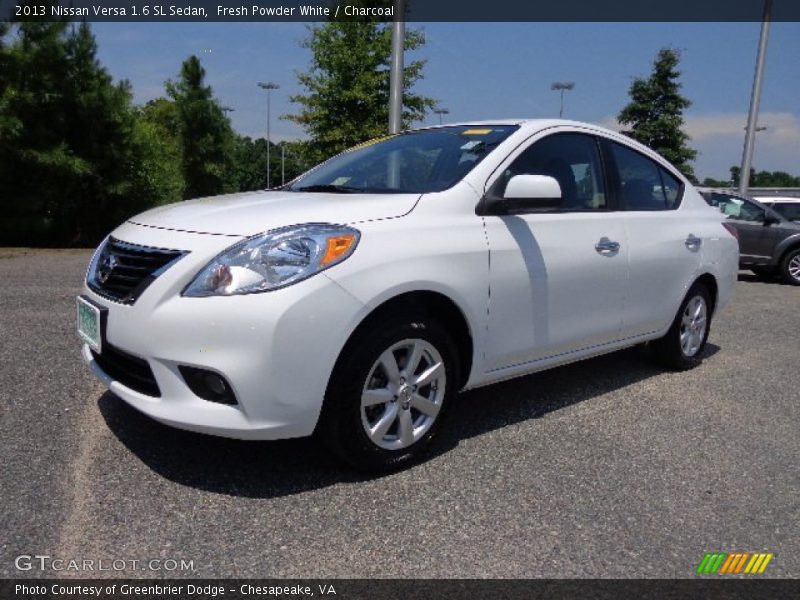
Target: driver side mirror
{"type": "Point", "coordinates": [525, 194]}
{"type": "Point", "coordinates": [770, 219]}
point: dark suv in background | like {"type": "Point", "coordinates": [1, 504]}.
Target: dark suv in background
{"type": "Point", "coordinates": [769, 244]}
{"type": "Point", "coordinates": [789, 208]}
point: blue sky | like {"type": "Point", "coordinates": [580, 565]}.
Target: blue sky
{"type": "Point", "coordinates": [498, 70]}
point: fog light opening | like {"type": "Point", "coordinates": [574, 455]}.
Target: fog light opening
{"type": "Point", "coordinates": [215, 383]}
{"type": "Point", "coordinates": [208, 385]}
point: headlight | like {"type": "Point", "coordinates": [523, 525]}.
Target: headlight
{"type": "Point", "coordinates": [91, 271]}
{"type": "Point", "coordinates": [275, 259]}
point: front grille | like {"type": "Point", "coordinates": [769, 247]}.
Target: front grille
{"type": "Point", "coordinates": [130, 371]}
{"type": "Point", "coordinates": [122, 271]}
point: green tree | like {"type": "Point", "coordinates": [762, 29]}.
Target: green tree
{"type": "Point", "coordinates": [716, 183]}
{"type": "Point", "coordinates": [736, 172]}
{"type": "Point", "coordinates": [160, 150]}
{"type": "Point", "coordinates": [655, 113]}
{"type": "Point", "coordinates": [6, 67]}
{"type": "Point", "coordinates": [30, 93]}
{"type": "Point", "coordinates": [76, 157]}
{"type": "Point", "coordinates": [207, 140]}
{"type": "Point", "coordinates": [757, 179]}
{"type": "Point", "coordinates": [251, 163]}
{"type": "Point", "coordinates": [72, 164]}
{"type": "Point", "coordinates": [774, 179]}
{"type": "Point", "coordinates": [346, 98]}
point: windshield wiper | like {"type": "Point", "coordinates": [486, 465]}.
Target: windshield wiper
{"type": "Point", "coordinates": [329, 187]}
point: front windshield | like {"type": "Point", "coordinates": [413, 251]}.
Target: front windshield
{"type": "Point", "coordinates": [417, 162]}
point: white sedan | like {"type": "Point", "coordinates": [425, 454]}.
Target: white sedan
{"type": "Point", "coordinates": [357, 301]}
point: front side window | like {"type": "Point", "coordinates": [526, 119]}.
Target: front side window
{"type": "Point", "coordinates": [572, 159]}
{"type": "Point", "coordinates": [735, 208]}
{"type": "Point", "coordinates": [425, 161]}
{"type": "Point", "coordinates": [644, 185]}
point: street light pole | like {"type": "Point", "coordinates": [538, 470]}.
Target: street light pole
{"type": "Point", "coordinates": [268, 86]}
{"type": "Point", "coordinates": [440, 112]}
{"type": "Point", "coordinates": [755, 100]}
{"type": "Point", "coordinates": [562, 86]}
{"type": "Point", "coordinates": [396, 75]}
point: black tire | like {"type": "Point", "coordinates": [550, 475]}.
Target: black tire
{"type": "Point", "coordinates": [789, 263]}
{"type": "Point", "coordinates": [340, 425]}
{"type": "Point", "coordinates": [668, 350]}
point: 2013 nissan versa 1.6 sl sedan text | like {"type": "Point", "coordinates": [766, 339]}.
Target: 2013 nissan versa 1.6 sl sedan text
{"type": "Point", "coordinates": [356, 301]}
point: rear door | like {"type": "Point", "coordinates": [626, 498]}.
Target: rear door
{"type": "Point", "coordinates": [664, 242]}
{"type": "Point", "coordinates": [557, 278]}
{"type": "Point", "coordinates": [789, 210]}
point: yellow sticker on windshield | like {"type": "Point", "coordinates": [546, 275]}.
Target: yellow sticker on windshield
{"type": "Point", "coordinates": [371, 142]}
{"type": "Point", "coordinates": [476, 131]}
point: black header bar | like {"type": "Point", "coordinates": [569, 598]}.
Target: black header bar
{"type": "Point", "coordinates": [397, 589]}
{"type": "Point", "coordinates": [385, 10]}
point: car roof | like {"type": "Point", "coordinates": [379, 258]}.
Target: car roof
{"type": "Point", "coordinates": [733, 193]}
{"type": "Point", "coordinates": [726, 191]}
{"type": "Point", "coordinates": [777, 198]}
{"type": "Point", "coordinates": [532, 124]}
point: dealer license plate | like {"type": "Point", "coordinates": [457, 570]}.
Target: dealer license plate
{"type": "Point", "coordinates": [89, 324]}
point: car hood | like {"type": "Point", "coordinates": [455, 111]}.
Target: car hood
{"type": "Point", "coordinates": [250, 213]}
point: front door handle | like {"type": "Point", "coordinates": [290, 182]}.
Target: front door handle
{"type": "Point", "coordinates": [606, 247]}
{"type": "Point", "coordinates": [693, 242]}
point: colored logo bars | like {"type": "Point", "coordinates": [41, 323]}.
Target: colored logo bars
{"type": "Point", "coordinates": [738, 562]}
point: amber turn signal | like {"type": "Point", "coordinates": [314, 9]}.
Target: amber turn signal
{"type": "Point", "coordinates": [337, 246]}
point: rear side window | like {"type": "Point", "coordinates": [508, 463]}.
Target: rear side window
{"type": "Point", "coordinates": [644, 185]}
{"type": "Point", "coordinates": [789, 210]}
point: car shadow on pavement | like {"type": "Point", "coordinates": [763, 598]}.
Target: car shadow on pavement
{"type": "Point", "coordinates": [534, 396]}
{"type": "Point", "coordinates": [281, 468]}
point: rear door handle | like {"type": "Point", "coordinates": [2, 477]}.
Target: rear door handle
{"type": "Point", "coordinates": [606, 247]}
{"type": "Point", "coordinates": [693, 242]}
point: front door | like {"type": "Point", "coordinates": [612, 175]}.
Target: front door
{"type": "Point", "coordinates": [557, 279]}
{"type": "Point", "coordinates": [756, 240]}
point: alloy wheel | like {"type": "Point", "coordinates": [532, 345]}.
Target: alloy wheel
{"type": "Point", "coordinates": [693, 325]}
{"type": "Point", "coordinates": [403, 394]}
{"type": "Point", "coordinates": [794, 267]}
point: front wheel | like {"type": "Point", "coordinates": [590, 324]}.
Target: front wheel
{"type": "Point", "coordinates": [390, 392]}
{"type": "Point", "coordinates": [682, 347]}
{"type": "Point", "coordinates": [790, 267]}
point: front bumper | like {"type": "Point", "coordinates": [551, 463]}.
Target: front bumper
{"type": "Point", "coordinates": [276, 349]}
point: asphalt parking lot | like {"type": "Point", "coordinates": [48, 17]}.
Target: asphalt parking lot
{"type": "Point", "coordinates": [606, 468]}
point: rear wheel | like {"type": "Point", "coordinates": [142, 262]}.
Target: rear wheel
{"type": "Point", "coordinates": [682, 347]}
{"type": "Point", "coordinates": [790, 267]}
{"type": "Point", "coordinates": [390, 392]}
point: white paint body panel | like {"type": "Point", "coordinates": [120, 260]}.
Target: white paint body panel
{"type": "Point", "coordinates": [532, 289]}
{"type": "Point", "coordinates": [250, 213]}
{"type": "Point", "coordinates": [551, 292]}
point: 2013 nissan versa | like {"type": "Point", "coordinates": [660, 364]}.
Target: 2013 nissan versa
{"type": "Point", "coordinates": [357, 300]}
